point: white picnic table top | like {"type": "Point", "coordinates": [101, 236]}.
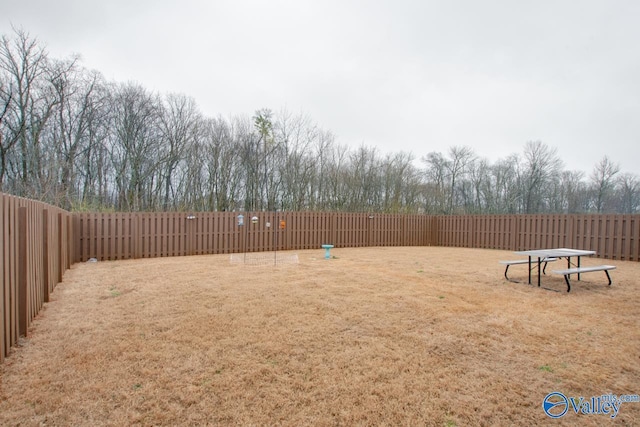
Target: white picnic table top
{"type": "Point", "coordinates": [556, 252]}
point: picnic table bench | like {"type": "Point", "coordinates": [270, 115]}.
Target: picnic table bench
{"type": "Point", "coordinates": [511, 262]}
{"type": "Point", "coordinates": [577, 270]}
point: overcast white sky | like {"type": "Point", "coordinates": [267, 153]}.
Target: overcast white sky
{"type": "Point", "coordinates": [400, 75]}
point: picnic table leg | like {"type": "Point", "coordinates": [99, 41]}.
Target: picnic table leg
{"type": "Point", "coordinates": [608, 276]}
{"type": "Point", "coordinates": [539, 262]}
{"type": "Point", "coordinates": [578, 267]}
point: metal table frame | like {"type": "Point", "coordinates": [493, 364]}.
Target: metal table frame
{"type": "Point", "coordinates": [554, 253]}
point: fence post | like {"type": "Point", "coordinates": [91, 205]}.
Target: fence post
{"type": "Point", "coordinates": [3, 277]}
{"type": "Point", "coordinates": [22, 271]}
{"type": "Point", "coordinates": [515, 232]}
{"type": "Point", "coordinates": [67, 247]}
{"type": "Point", "coordinates": [191, 225]}
{"type": "Point", "coordinates": [137, 235]}
{"type": "Point", "coordinates": [61, 261]}
{"type": "Point", "coordinates": [334, 228]}
{"type": "Point", "coordinates": [45, 254]}
{"type": "Point", "coordinates": [403, 231]}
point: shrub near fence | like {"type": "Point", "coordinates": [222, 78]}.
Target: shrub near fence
{"type": "Point", "coordinates": [35, 251]}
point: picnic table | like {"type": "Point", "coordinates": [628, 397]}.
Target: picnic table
{"type": "Point", "coordinates": [567, 253]}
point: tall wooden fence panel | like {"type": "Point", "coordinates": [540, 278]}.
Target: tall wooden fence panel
{"type": "Point", "coordinates": [213, 232]}
{"type": "Point", "coordinates": [9, 263]}
{"type": "Point", "coordinates": [611, 236]}
{"type": "Point", "coordinates": [35, 250]}
{"type": "Point", "coordinates": [111, 236]}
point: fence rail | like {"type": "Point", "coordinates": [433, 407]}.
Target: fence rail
{"type": "Point", "coordinates": [40, 241]}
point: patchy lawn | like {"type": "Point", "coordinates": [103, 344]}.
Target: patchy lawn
{"type": "Point", "coordinates": [373, 336]}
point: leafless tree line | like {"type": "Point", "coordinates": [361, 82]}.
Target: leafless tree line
{"type": "Point", "coordinates": [71, 138]}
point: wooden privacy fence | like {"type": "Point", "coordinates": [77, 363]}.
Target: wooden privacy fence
{"type": "Point", "coordinates": [35, 250]}
{"type": "Point", "coordinates": [112, 236]}
{"type": "Point", "coordinates": [40, 242]}
{"type": "Point", "coordinates": [611, 236]}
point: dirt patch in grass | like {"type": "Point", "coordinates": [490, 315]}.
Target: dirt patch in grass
{"type": "Point", "coordinates": [374, 336]}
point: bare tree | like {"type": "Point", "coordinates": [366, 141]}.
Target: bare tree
{"type": "Point", "coordinates": [459, 160]}
{"type": "Point", "coordinates": [250, 155]}
{"type": "Point", "coordinates": [9, 135]}
{"type": "Point", "coordinates": [436, 173]}
{"type": "Point", "coordinates": [336, 178]}
{"type": "Point", "coordinates": [603, 184]}
{"type": "Point", "coordinates": [574, 195]}
{"type": "Point", "coordinates": [296, 136]}
{"type": "Point", "coordinates": [506, 193]}
{"type": "Point", "coordinates": [224, 169]}
{"type": "Point", "coordinates": [322, 153]}
{"type": "Point", "coordinates": [629, 193]}
{"type": "Point", "coordinates": [363, 180]}
{"type": "Point", "coordinates": [76, 127]}
{"type": "Point", "coordinates": [93, 160]}
{"type": "Point", "coordinates": [399, 179]}
{"type": "Point", "coordinates": [28, 105]}
{"type": "Point", "coordinates": [179, 119]}
{"type": "Point", "coordinates": [481, 197]}
{"type": "Point", "coordinates": [541, 166]}
{"type": "Point", "coordinates": [134, 148]}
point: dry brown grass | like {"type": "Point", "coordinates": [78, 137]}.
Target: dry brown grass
{"type": "Point", "coordinates": [375, 336]}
